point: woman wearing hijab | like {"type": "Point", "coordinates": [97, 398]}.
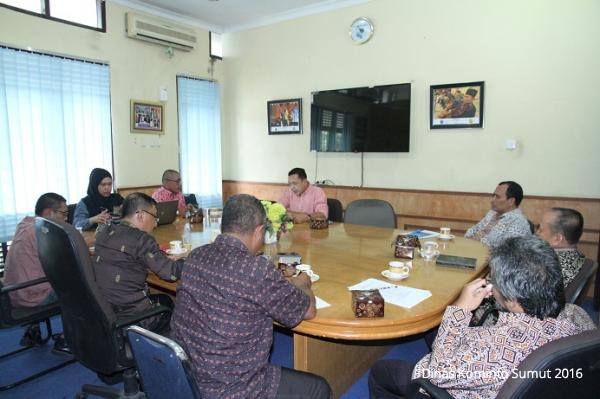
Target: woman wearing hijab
{"type": "Point", "coordinates": [99, 202]}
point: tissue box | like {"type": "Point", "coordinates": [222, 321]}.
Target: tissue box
{"type": "Point", "coordinates": [367, 303]}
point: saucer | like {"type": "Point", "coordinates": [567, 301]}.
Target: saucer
{"type": "Point", "coordinates": [445, 237]}
{"type": "Point", "coordinates": [393, 276]}
{"type": "Point", "coordinates": [171, 252]}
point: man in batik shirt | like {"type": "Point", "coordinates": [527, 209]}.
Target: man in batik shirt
{"type": "Point", "coordinates": [474, 362]}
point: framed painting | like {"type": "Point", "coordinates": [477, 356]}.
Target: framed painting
{"type": "Point", "coordinates": [456, 105]}
{"type": "Point", "coordinates": [285, 116]}
{"type": "Point", "coordinates": [147, 117]}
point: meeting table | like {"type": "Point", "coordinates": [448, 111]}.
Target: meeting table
{"type": "Point", "coordinates": [336, 344]}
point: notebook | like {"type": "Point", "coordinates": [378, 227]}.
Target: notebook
{"type": "Point", "coordinates": [460, 262]}
{"type": "Point", "coordinates": [166, 212]}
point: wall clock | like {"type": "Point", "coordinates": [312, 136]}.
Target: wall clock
{"type": "Point", "coordinates": [361, 30]}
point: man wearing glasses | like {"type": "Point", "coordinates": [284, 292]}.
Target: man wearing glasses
{"type": "Point", "coordinates": [124, 254]}
{"type": "Point", "coordinates": [171, 190]}
{"type": "Point", "coordinates": [23, 263]}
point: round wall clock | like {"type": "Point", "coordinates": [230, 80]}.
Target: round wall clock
{"type": "Point", "coordinates": [361, 30]}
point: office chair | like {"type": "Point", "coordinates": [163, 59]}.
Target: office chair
{"type": "Point", "coordinates": [94, 334]}
{"type": "Point", "coordinates": [579, 355]}
{"type": "Point", "coordinates": [575, 292]}
{"type": "Point", "coordinates": [18, 316]}
{"type": "Point", "coordinates": [371, 212]}
{"type": "Point", "coordinates": [162, 365]}
{"type": "Point", "coordinates": [336, 212]}
{"type": "Point", "coordinates": [71, 215]}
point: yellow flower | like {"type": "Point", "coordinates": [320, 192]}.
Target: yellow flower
{"type": "Point", "coordinates": [277, 217]}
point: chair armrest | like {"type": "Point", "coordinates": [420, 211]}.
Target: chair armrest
{"type": "Point", "coordinates": [433, 390]}
{"type": "Point", "coordinates": [129, 320]}
{"type": "Point", "coordinates": [25, 284]}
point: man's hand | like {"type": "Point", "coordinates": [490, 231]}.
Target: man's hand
{"type": "Point", "coordinates": [302, 280]}
{"type": "Point", "coordinates": [473, 293]}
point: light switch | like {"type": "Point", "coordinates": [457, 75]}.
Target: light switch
{"type": "Point", "coordinates": [510, 144]}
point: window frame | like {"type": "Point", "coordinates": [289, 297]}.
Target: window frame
{"type": "Point", "coordinates": [46, 15]}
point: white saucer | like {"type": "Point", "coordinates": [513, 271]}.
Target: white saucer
{"type": "Point", "coordinates": [393, 276]}
{"type": "Point", "coordinates": [314, 277]}
{"type": "Point", "coordinates": [433, 255]}
{"type": "Point", "coordinates": [445, 237]}
{"type": "Point", "coordinates": [171, 252]}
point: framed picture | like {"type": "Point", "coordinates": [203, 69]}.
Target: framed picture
{"type": "Point", "coordinates": [456, 105]}
{"type": "Point", "coordinates": [285, 116]}
{"type": "Point", "coordinates": [146, 117]}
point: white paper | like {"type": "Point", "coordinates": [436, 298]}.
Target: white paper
{"type": "Point", "coordinates": [398, 295]}
{"type": "Point", "coordinates": [321, 303]}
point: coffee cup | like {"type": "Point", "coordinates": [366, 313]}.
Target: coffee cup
{"type": "Point", "coordinates": [304, 268]}
{"type": "Point", "coordinates": [430, 246]}
{"type": "Point", "coordinates": [175, 246]}
{"type": "Point", "coordinates": [429, 250]}
{"type": "Point", "coordinates": [398, 268]}
{"type": "Point", "coordinates": [445, 231]}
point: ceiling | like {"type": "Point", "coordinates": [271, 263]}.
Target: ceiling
{"type": "Point", "coordinates": [234, 15]}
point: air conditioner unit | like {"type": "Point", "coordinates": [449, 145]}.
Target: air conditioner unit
{"type": "Point", "coordinates": [160, 31]}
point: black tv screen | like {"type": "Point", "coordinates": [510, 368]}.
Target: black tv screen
{"type": "Point", "coordinates": [361, 119]}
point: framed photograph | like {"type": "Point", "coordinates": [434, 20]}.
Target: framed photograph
{"type": "Point", "coordinates": [285, 116]}
{"type": "Point", "coordinates": [147, 117]}
{"type": "Point", "coordinates": [456, 105]}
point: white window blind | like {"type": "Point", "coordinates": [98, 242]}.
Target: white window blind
{"type": "Point", "coordinates": [55, 127]}
{"type": "Point", "coordinates": [200, 139]}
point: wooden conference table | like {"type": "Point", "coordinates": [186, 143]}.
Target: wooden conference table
{"type": "Point", "coordinates": [335, 344]}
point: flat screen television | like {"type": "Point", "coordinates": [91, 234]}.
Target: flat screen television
{"type": "Point", "coordinates": [361, 119]}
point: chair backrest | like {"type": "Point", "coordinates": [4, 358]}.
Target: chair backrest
{"type": "Point", "coordinates": [88, 320]}
{"type": "Point", "coordinates": [162, 364]}
{"type": "Point", "coordinates": [371, 212]}
{"type": "Point", "coordinates": [336, 212]}
{"type": "Point", "coordinates": [575, 291]}
{"type": "Point", "coordinates": [566, 368]}
{"type": "Point", "coordinates": [71, 208]}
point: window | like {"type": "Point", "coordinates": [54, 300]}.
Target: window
{"type": "Point", "coordinates": [200, 139]}
{"type": "Point", "coordinates": [88, 13]}
{"type": "Point", "coordinates": [55, 127]}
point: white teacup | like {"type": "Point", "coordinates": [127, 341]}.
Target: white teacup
{"type": "Point", "coordinates": [397, 268]}
{"type": "Point", "coordinates": [430, 246]}
{"type": "Point", "coordinates": [304, 268]}
{"type": "Point", "coordinates": [175, 246]}
{"type": "Point", "coordinates": [445, 231]}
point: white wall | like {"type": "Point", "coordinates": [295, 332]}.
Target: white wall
{"type": "Point", "coordinates": [539, 60]}
{"type": "Point", "coordinates": [137, 71]}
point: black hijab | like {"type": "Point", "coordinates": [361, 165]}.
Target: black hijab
{"type": "Point", "coordinates": [94, 201]}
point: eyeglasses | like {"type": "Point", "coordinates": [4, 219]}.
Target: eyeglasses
{"type": "Point", "coordinates": [156, 218]}
{"type": "Point", "coordinates": [64, 213]}
{"type": "Point", "coordinates": [175, 180]}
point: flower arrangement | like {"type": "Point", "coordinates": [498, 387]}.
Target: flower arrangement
{"type": "Point", "coordinates": [278, 220]}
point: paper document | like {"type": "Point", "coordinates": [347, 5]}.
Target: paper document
{"type": "Point", "coordinates": [321, 303]}
{"type": "Point", "coordinates": [399, 295]}
{"type": "Point", "coordinates": [423, 233]}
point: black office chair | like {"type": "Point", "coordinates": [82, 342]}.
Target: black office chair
{"type": "Point", "coordinates": [18, 316]}
{"type": "Point", "coordinates": [371, 212]}
{"type": "Point", "coordinates": [578, 356]}
{"type": "Point", "coordinates": [575, 291]}
{"type": "Point", "coordinates": [336, 212]}
{"type": "Point", "coordinates": [162, 365]}
{"type": "Point", "coordinates": [94, 334]}
{"type": "Point", "coordinates": [71, 215]}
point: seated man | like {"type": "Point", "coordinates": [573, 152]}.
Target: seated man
{"type": "Point", "coordinates": [124, 254]}
{"type": "Point", "coordinates": [562, 228]}
{"type": "Point", "coordinates": [23, 263]}
{"type": "Point", "coordinates": [226, 303]}
{"type": "Point", "coordinates": [171, 191]}
{"type": "Point", "coordinates": [505, 219]}
{"type": "Point", "coordinates": [526, 280]}
{"type": "Point", "coordinates": [302, 200]}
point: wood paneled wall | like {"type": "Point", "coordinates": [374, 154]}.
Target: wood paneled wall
{"type": "Point", "coordinates": [434, 209]}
